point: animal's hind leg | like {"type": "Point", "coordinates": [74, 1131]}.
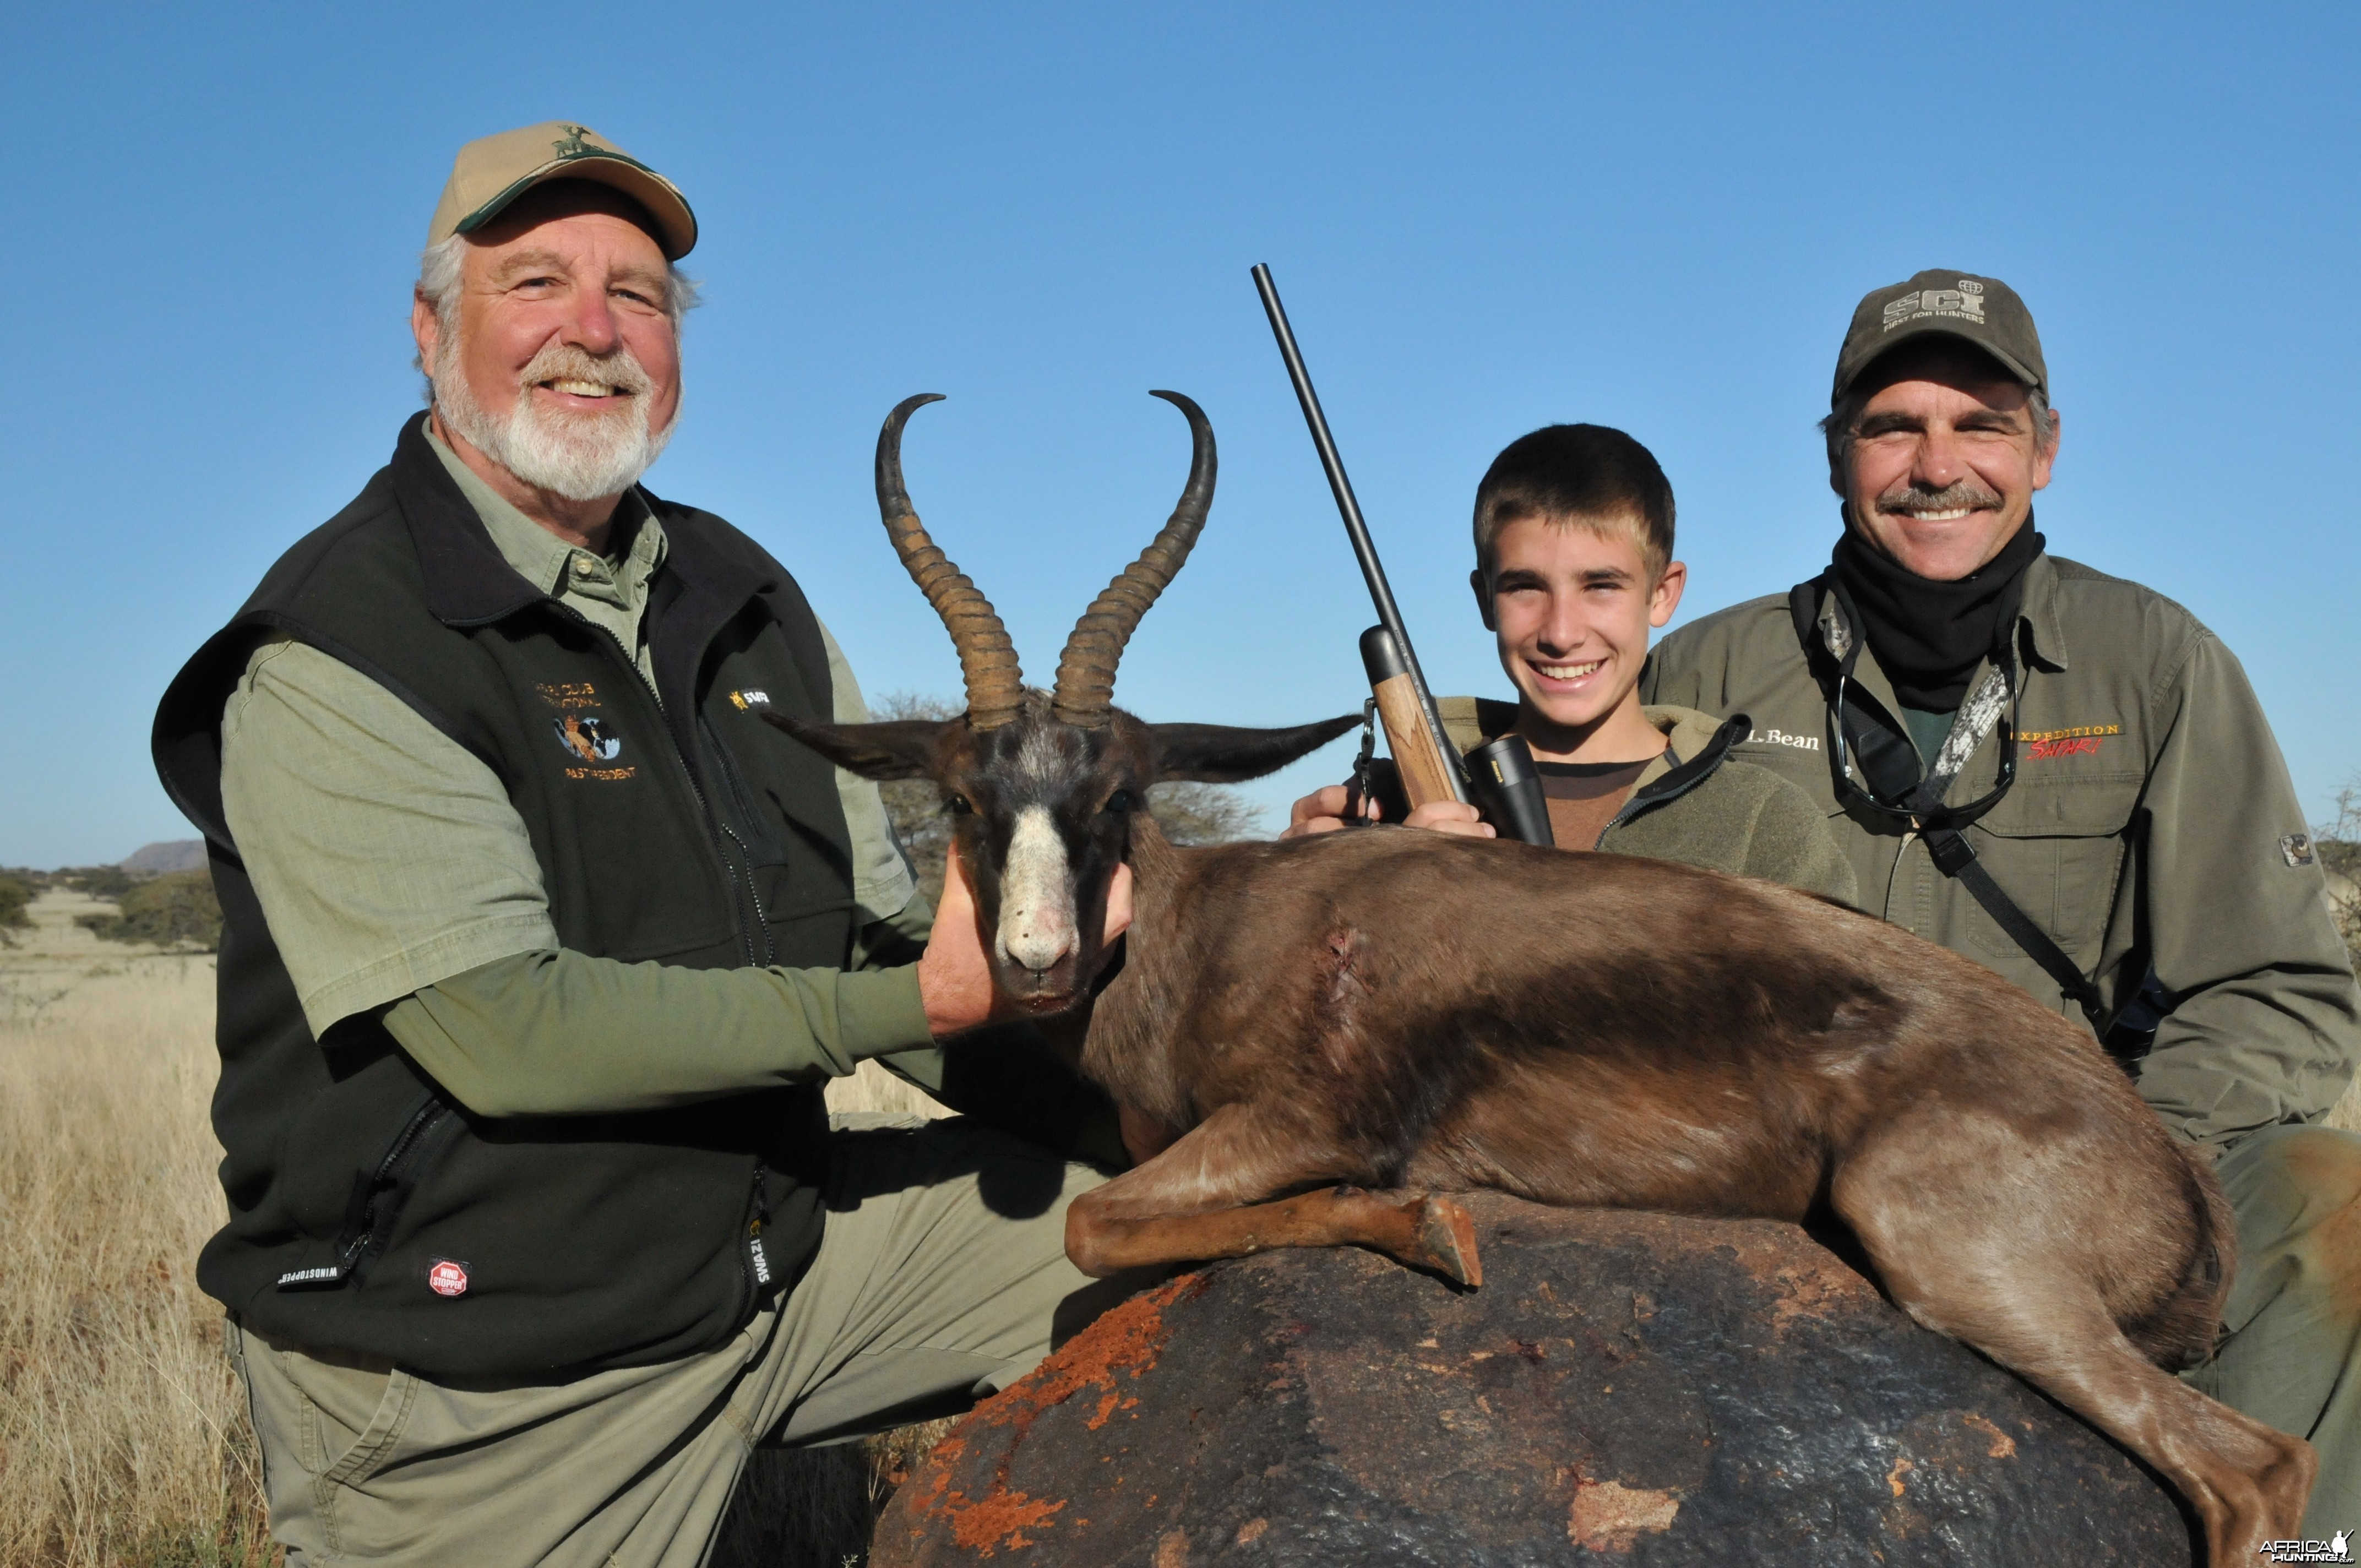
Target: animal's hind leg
{"type": "Point", "coordinates": [1202, 1198]}
{"type": "Point", "coordinates": [2011, 1272]}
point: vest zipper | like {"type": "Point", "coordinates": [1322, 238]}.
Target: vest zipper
{"type": "Point", "coordinates": [687, 773]}
{"type": "Point", "coordinates": [376, 1205]}
{"type": "Point", "coordinates": [755, 1262]}
{"type": "Point", "coordinates": [743, 804]}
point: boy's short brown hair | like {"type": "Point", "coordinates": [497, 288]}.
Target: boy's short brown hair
{"type": "Point", "coordinates": [1584, 475]}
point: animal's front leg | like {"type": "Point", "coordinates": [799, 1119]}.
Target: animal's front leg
{"type": "Point", "coordinates": [1144, 1137]}
{"type": "Point", "coordinates": [1205, 1198]}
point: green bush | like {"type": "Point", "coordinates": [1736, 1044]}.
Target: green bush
{"type": "Point", "coordinates": [16, 890]}
{"type": "Point", "coordinates": [98, 882]}
{"type": "Point", "coordinates": [172, 910]}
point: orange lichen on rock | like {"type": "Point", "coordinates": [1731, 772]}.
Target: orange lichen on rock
{"type": "Point", "coordinates": [2003, 1445]}
{"type": "Point", "coordinates": [1126, 1340]}
{"type": "Point", "coordinates": [1608, 1516]}
{"type": "Point", "coordinates": [999, 1518]}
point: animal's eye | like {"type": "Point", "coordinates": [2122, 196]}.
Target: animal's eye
{"type": "Point", "coordinates": [958, 806]}
{"type": "Point", "coordinates": [1122, 800]}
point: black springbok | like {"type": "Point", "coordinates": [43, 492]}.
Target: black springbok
{"type": "Point", "coordinates": [1397, 1009]}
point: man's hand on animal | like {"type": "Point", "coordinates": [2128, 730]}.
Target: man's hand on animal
{"type": "Point", "coordinates": [1323, 811]}
{"type": "Point", "coordinates": [955, 975]}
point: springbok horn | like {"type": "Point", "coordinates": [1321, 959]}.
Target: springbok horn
{"type": "Point", "coordinates": [995, 686]}
{"type": "Point", "coordinates": [1085, 690]}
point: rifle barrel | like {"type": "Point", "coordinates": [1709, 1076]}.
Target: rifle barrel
{"type": "Point", "coordinates": [1356, 527]}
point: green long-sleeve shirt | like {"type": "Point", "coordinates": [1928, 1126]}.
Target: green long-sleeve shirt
{"type": "Point", "coordinates": [392, 870]}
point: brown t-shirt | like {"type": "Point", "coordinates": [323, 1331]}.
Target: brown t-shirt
{"type": "Point", "coordinates": [1584, 798]}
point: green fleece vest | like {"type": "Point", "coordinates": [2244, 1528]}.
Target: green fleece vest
{"type": "Point", "coordinates": [368, 1212]}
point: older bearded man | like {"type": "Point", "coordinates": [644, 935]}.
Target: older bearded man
{"type": "Point", "coordinates": [2065, 777]}
{"type": "Point", "coordinates": [539, 946]}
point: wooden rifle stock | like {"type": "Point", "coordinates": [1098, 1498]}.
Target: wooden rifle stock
{"type": "Point", "coordinates": [1418, 750]}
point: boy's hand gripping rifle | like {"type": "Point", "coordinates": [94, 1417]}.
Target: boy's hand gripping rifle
{"type": "Point", "coordinates": [1498, 775]}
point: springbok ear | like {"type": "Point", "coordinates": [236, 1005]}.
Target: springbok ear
{"type": "Point", "coordinates": [901, 750]}
{"type": "Point", "coordinates": [1220, 754]}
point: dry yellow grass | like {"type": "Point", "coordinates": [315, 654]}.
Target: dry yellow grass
{"type": "Point", "coordinates": [123, 1437]}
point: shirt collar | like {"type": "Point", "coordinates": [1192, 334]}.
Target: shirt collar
{"type": "Point", "coordinates": [2036, 612]}
{"type": "Point", "coordinates": [537, 556]}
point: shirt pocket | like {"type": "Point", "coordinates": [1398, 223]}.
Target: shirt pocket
{"type": "Point", "coordinates": [2058, 852]}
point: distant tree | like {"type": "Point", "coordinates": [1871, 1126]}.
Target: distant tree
{"type": "Point", "coordinates": [915, 807]}
{"type": "Point", "coordinates": [177, 909]}
{"type": "Point", "coordinates": [1189, 813]}
{"type": "Point", "coordinates": [2338, 844]}
{"type": "Point", "coordinates": [98, 882]}
{"type": "Point", "coordinates": [16, 890]}
{"type": "Point", "coordinates": [1203, 813]}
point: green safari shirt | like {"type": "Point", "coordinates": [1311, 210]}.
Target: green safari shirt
{"type": "Point", "coordinates": [2152, 826]}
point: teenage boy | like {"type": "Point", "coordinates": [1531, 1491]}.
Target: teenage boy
{"type": "Point", "coordinates": [1574, 566]}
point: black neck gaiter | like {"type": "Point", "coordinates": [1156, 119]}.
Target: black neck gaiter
{"type": "Point", "coordinates": [1927, 636]}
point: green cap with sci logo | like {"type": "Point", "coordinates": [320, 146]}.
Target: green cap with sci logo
{"type": "Point", "coordinates": [1984, 311]}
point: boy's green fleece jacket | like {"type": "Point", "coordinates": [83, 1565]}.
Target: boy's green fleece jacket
{"type": "Point", "coordinates": [1695, 805]}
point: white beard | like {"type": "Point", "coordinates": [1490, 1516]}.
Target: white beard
{"type": "Point", "coordinates": [581, 456]}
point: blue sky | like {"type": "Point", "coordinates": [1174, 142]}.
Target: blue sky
{"type": "Point", "coordinates": [1485, 218]}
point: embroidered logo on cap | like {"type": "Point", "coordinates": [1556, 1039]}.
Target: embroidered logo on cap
{"type": "Point", "coordinates": [1965, 302]}
{"type": "Point", "coordinates": [447, 1276]}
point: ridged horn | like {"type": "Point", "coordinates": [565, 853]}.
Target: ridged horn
{"type": "Point", "coordinates": [1086, 689]}
{"type": "Point", "coordinates": [995, 686]}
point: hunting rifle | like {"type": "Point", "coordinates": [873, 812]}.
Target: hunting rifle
{"type": "Point", "coordinates": [1498, 774]}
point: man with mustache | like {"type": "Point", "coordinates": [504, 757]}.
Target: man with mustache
{"type": "Point", "coordinates": [538, 945]}
{"type": "Point", "coordinates": [2067, 778]}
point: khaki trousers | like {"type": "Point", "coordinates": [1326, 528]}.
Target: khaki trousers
{"type": "Point", "coordinates": [2292, 1355]}
{"type": "Point", "coordinates": [941, 1276]}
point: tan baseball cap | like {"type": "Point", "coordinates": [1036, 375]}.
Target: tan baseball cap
{"type": "Point", "coordinates": [492, 171]}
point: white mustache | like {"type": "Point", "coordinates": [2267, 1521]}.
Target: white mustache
{"type": "Point", "coordinates": [565, 362]}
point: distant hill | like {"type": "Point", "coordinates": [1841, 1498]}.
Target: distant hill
{"type": "Point", "coordinates": [178, 855]}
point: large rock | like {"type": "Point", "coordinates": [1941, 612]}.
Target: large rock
{"type": "Point", "coordinates": [1629, 1389]}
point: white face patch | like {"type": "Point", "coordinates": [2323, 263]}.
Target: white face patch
{"type": "Point", "coordinates": [1036, 894]}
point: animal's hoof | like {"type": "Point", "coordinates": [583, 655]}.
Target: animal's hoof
{"type": "Point", "coordinates": [1447, 1234]}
